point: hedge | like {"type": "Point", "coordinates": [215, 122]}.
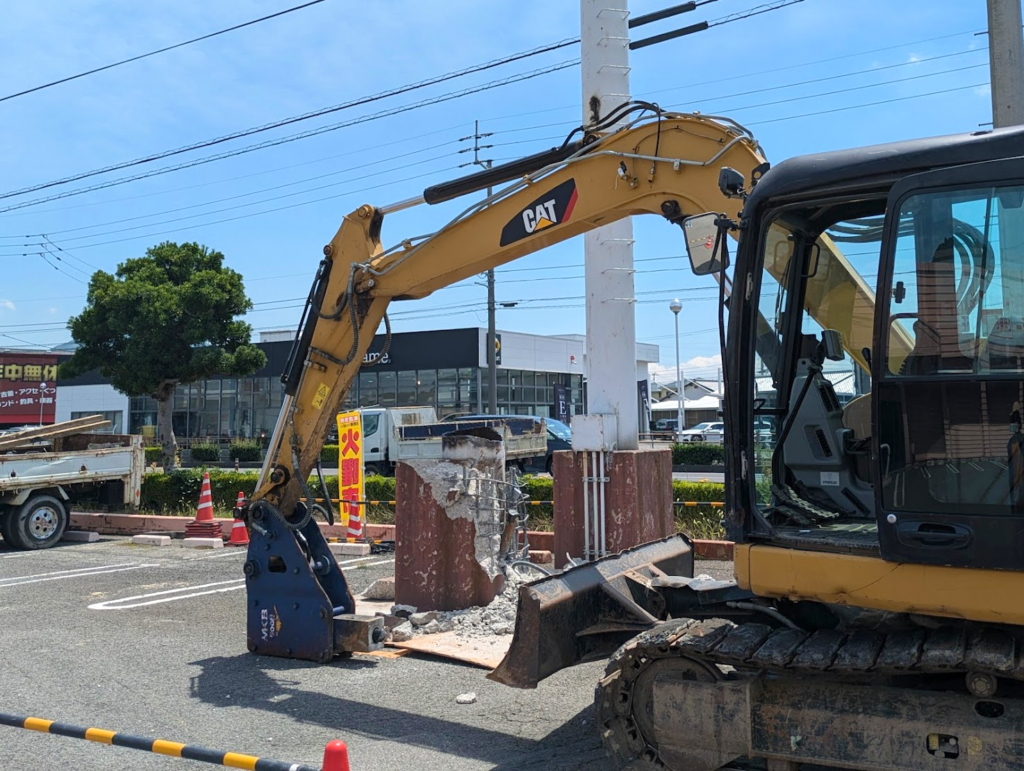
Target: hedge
{"type": "Point", "coordinates": [205, 452]}
{"type": "Point", "coordinates": [245, 450]}
{"type": "Point", "coordinates": [154, 454]}
{"type": "Point", "coordinates": [329, 453]}
{"type": "Point", "coordinates": [698, 454]}
{"type": "Point", "coordinates": [178, 493]}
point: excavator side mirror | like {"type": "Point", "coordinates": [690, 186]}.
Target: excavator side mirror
{"type": "Point", "coordinates": [706, 244]}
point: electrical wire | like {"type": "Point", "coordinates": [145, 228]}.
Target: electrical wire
{"type": "Point", "coordinates": [294, 137]}
{"type": "Point", "coordinates": [159, 51]}
{"type": "Point", "coordinates": [254, 192]}
{"type": "Point", "coordinates": [296, 118]}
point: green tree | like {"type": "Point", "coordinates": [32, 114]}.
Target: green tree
{"type": "Point", "coordinates": [165, 319]}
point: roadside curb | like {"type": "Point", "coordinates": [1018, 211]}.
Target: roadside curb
{"type": "Point", "coordinates": [138, 524]}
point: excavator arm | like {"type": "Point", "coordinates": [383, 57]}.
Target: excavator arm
{"type": "Point", "coordinates": [299, 604]}
{"type": "Point", "coordinates": [667, 166]}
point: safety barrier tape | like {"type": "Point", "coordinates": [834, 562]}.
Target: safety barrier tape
{"type": "Point", "coordinates": [718, 504]}
{"type": "Point", "coordinates": [159, 746]}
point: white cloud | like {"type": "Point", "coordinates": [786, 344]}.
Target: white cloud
{"type": "Point", "coordinates": [698, 366]}
{"type": "Point", "coordinates": [913, 58]}
{"type": "Point", "coordinates": [53, 311]}
{"type": "Point", "coordinates": [985, 90]}
{"type": "Point", "coordinates": [6, 305]}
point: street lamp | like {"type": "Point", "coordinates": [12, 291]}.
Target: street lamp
{"type": "Point", "coordinates": [675, 306]}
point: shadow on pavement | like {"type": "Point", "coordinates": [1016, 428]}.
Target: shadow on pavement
{"type": "Point", "coordinates": [246, 681]}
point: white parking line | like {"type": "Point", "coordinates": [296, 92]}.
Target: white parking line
{"type": "Point", "coordinates": [61, 575]}
{"type": "Point", "coordinates": [236, 583]}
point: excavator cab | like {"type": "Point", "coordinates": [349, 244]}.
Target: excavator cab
{"type": "Point", "coordinates": [875, 326]}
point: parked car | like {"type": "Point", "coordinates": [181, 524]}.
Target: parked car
{"type": "Point", "coordinates": [703, 432]}
{"type": "Point", "coordinates": [666, 424]}
{"type": "Point", "coordinates": [559, 438]}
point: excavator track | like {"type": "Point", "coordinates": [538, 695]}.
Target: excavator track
{"type": "Point", "coordinates": [723, 651]}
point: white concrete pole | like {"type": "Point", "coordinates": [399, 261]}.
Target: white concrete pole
{"type": "Point", "coordinates": [1006, 60]}
{"type": "Point", "coordinates": [675, 306]}
{"type": "Point", "coordinates": [608, 251]}
{"type": "Point", "coordinates": [1006, 64]}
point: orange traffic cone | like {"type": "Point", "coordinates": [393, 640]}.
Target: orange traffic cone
{"type": "Point", "coordinates": [336, 756]}
{"type": "Point", "coordinates": [239, 534]}
{"type": "Point", "coordinates": [203, 526]}
{"type": "Point", "coordinates": [241, 500]}
{"type": "Point", "coordinates": [355, 522]}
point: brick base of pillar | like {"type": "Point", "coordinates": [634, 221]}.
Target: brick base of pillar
{"type": "Point", "coordinates": [638, 500]}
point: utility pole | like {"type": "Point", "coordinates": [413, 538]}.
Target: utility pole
{"type": "Point", "coordinates": [608, 251]}
{"type": "Point", "coordinates": [1006, 60]}
{"type": "Point", "coordinates": [1006, 63]}
{"type": "Point", "coordinates": [492, 334]}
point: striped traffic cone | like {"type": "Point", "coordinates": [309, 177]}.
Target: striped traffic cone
{"type": "Point", "coordinates": [204, 526]}
{"type": "Point", "coordinates": [355, 523]}
{"type": "Point", "coordinates": [239, 532]}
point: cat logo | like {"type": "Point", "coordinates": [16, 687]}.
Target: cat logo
{"type": "Point", "coordinates": [552, 208]}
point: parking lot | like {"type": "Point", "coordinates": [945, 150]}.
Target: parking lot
{"type": "Point", "coordinates": [152, 641]}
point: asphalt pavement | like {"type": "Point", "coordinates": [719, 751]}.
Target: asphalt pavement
{"type": "Point", "coordinates": [151, 641]}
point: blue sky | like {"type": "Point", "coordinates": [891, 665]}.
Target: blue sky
{"type": "Point", "coordinates": [271, 211]}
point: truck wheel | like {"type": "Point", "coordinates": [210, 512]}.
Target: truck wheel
{"type": "Point", "coordinates": [372, 470]}
{"type": "Point", "coordinates": [39, 523]}
{"type": "Point", "coordinates": [7, 515]}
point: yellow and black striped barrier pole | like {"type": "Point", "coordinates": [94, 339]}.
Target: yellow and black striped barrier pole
{"type": "Point", "coordinates": [159, 746]}
{"type": "Point", "coordinates": [717, 504]}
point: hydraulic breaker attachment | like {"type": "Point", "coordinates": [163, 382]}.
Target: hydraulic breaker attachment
{"type": "Point", "coordinates": [587, 611]}
{"type": "Point", "coordinates": [299, 604]}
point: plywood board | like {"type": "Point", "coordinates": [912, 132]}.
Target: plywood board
{"type": "Point", "coordinates": [485, 652]}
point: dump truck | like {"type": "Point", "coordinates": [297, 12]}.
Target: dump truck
{"type": "Point", "coordinates": [44, 470]}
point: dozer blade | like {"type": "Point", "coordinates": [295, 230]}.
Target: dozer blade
{"type": "Point", "coordinates": [588, 611]}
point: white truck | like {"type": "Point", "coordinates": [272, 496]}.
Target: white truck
{"type": "Point", "coordinates": [43, 470]}
{"type": "Point", "coordinates": [392, 434]}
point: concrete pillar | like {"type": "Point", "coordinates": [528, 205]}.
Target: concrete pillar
{"type": "Point", "coordinates": [638, 500]}
{"type": "Point", "coordinates": [450, 526]}
{"type": "Point", "coordinates": [608, 251]}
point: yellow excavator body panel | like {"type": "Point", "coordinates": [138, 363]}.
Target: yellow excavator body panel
{"type": "Point", "coordinates": [972, 594]}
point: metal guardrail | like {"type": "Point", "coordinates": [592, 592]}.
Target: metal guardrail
{"type": "Point", "coordinates": [158, 746]}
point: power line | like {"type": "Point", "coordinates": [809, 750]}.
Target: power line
{"type": "Point", "coordinates": [261, 213]}
{"type": "Point", "coordinates": [295, 119]}
{"type": "Point", "coordinates": [256, 192]}
{"type": "Point", "coordinates": [757, 10]}
{"type": "Point", "coordinates": [291, 138]}
{"type": "Point", "coordinates": [225, 180]}
{"type": "Point", "coordinates": [159, 51]}
{"type": "Point", "coordinates": [759, 73]}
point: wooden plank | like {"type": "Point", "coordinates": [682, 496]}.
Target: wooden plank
{"type": "Point", "coordinates": [484, 652]}
{"type": "Point", "coordinates": [53, 431]}
{"type": "Point", "coordinates": [388, 653]}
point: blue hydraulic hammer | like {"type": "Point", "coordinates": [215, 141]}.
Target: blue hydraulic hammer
{"type": "Point", "coordinates": [299, 603]}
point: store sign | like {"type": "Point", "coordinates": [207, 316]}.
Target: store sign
{"type": "Point", "coordinates": [350, 469]}
{"type": "Point", "coordinates": [561, 405]}
{"type": "Point", "coordinates": [373, 358]}
{"type": "Point", "coordinates": [28, 388]}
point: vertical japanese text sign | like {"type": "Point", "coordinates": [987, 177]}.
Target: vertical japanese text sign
{"type": "Point", "coordinates": [350, 469]}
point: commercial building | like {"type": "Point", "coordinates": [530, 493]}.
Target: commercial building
{"type": "Point", "coordinates": [445, 369]}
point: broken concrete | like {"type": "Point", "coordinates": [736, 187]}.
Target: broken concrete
{"type": "Point", "coordinates": [402, 632]}
{"type": "Point", "coordinates": [451, 525]}
{"type": "Point", "coordinates": [381, 589]}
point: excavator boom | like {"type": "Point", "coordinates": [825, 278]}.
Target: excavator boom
{"type": "Point", "coordinates": [299, 603]}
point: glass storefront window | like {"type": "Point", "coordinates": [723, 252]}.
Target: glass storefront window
{"type": "Point", "coordinates": [387, 382]}
{"type": "Point", "coordinates": [426, 387]}
{"type": "Point", "coordinates": [407, 389]}
{"type": "Point", "coordinates": [368, 389]}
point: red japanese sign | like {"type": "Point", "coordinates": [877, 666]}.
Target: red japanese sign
{"type": "Point", "coordinates": [28, 388]}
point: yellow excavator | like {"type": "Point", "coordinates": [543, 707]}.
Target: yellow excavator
{"type": "Point", "coordinates": [874, 316]}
